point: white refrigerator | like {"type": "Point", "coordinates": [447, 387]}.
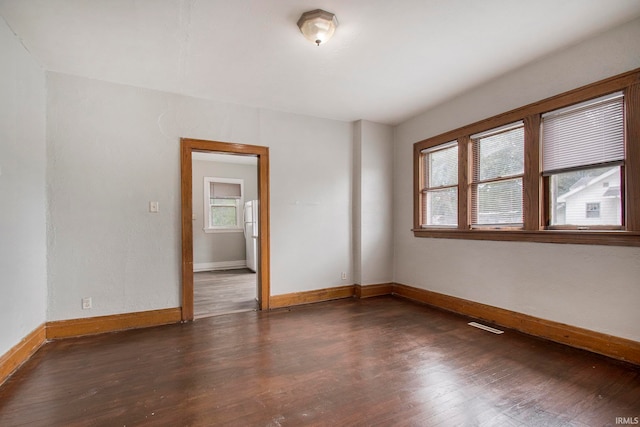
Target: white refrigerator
{"type": "Point", "coordinates": [251, 233]}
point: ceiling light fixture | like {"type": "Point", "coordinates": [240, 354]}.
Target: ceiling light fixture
{"type": "Point", "coordinates": [318, 25]}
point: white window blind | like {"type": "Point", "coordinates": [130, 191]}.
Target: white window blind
{"type": "Point", "coordinates": [585, 134]}
{"type": "Point", "coordinates": [225, 190]}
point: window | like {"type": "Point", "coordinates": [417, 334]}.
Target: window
{"type": "Point", "coordinates": [561, 170]}
{"type": "Point", "coordinates": [582, 149]}
{"type": "Point", "coordinates": [223, 203]}
{"type": "Point", "coordinates": [593, 210]}
{"type": "Point", "coordinates": [498, 168]}
{"type": "Point", "coordinates": [440, 193]}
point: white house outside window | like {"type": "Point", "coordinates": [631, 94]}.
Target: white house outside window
{"type": "Point", "coordinates": [223, 202]}
{"type": "Point", "coordinates": [583, 155]}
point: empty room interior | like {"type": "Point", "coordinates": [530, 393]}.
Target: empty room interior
{"type": "Point", "coordinates": [286, 212]}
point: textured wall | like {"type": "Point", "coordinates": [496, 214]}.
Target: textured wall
{"type": "Point", "coordinates": [23, 263]}
{"type": "Point", "coordinates": [114, 148]}
{"type": "Point", "coordinates": [373, 203]}
{"type": "Point", "coordinates": [311, 188]}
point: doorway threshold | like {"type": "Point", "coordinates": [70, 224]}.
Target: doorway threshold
{"type": "Point", "coordinates": [222, 313]}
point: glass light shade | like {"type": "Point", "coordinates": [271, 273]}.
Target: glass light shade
{"type": "Point", "coordinates": [318, 25]}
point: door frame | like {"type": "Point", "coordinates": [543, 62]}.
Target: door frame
{"type": "Point", "coordinates": [188, 146]}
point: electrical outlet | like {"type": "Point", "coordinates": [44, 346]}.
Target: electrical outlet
{"type": "Point", "coordinates": [344, 276]}
{"type": "Point", "coordinates": [86, 303]}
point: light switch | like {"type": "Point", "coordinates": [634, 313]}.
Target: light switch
{"type": "Point", "coordinates": [154, 207]}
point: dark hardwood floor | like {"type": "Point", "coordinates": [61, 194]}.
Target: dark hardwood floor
{"type": "Point", "coordinates": [380, 361]}
{"type": "Point", "coordinates": [224, 292]}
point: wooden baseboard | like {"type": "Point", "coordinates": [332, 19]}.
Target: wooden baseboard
{"type": "Point", "coordinates": [21, 352]}
{"type": "Point", "coordinates": [308, 297]}
{"type": "Point", "coordinates": [597, 342]}
{"type": "Point", "coordinates": [367, 291]}
{"type": "Point", "coordinates": [117, 322]}
{"type": "Point", "coordinates": [608, 345]}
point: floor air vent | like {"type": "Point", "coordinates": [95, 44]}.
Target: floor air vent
{"type": "Point", "coordinates": [485, 327]}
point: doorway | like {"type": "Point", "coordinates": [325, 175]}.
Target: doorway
{"type": "Point", "coordinates": [225, 206]}
{"type": "Point", "coordinates": [189, 146]}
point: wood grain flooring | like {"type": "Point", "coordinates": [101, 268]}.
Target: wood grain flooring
{"type": "Point", "coordinates": [223, 292]}
{"type": "Point", "coordinates": [380, 361]}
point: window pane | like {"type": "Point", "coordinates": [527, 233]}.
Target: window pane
{"type": "Point", "coordinates": [227, 202]}
{"type": "Point", "coordinates": [441, 207]}
{"type": "Point", "coordinates": [443, 167]}
{"type": "Point", "coordinates": [499, 202]}
{"type": "Point", "coordinates": [501, 155]}
{"type": "Point", "coordinates": [586, 197]}
{"type": "Point", "coordinates": [497, 156]}
{"type": "Point", "coordinates": [223, 216]}
{"type": "Point", "coordinates": [593, 210]}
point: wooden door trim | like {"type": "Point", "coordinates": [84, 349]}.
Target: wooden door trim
{"type": "Point", "coordinates": [188, 146]}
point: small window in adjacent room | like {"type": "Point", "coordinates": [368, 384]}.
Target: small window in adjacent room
{"type": "Point", "coordinates": [498, 169]}
{"type": "Point", "coordinates": [223, 203]}
{"type": "Point", "coordinates": [440, 191]}
{"type": "Point", "coordinates": [583, 160]}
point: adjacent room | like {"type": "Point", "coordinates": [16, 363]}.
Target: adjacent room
{"type": "Point", "coordinates": [289, 212]}
{"type": "Point", "coordinates": [225, 209]}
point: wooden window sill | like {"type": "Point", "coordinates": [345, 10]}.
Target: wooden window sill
{"type": "Point", "coordinates": [611, 238]}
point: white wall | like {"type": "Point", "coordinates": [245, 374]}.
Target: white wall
{"type": "Point", "coordinates": [216, 248]}
{"type": "Point", "coordinates": [595, 287]}
{"type": "Point", "coordinates": [23, 264]}
{"type": "Point", "coordinates": [114, 148]}
{"type": "Point", "coordinates": [310, 201]}
{"type": "Point", "coordinates": [356, 211]}
{"type": "Point", "coordinates": [373, 203]}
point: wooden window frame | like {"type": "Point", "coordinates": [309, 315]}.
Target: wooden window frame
{"type": "Point", "coordinates": [425, 188]}
{"type": "Point", "coordinates": [546, 182]}
{"type": "Point", "coordinates": [535, 203]}
{"type": "Point", "coordinates": [475, 182]}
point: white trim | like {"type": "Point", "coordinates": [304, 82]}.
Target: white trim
{"type": "Point", "coordinates": [220, 265]}
{"type": "Point", "coordinates": [223, 230]}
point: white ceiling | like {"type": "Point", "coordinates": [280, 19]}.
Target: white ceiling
{"type": "Point", "coordinates": [388, 61]}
